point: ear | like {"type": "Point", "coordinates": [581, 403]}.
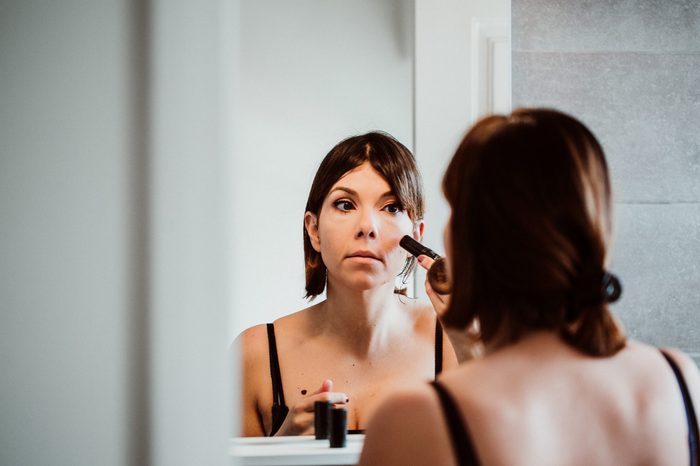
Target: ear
{"type": "Point", "coordinates": [311, 225]}
{"type": "Point", "coordinates": [418, 228]}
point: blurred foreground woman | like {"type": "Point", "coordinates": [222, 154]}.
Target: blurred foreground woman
{"type": "Point", "coordinates": [528, 244]}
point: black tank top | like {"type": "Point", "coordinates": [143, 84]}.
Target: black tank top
{"type": "Point", "coordinates": [463, 448]}
{"type": "Point", "coordinates": [280, 409]}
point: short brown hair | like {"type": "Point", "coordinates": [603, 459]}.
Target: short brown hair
{"type": "Point", "coordinates": [392, 160]}
{"type": "Point", "coordinates": [531, 222]}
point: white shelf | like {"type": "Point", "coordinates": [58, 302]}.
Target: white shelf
{"type": "Point", "coordinates": [290, 451]}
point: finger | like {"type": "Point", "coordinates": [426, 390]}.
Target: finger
{"type": "Point", "coordinates": [333, 397]}
{"type": "Point", "coordinates": [439, 305]}
{"type": "Point", "coordinates": [434, 295]}
{"type": "Point", "coordinates": [339, 398]}
{"type": "Point", "coordinates": [326, 386]}
{"type": "Point", "coordinates": [429, 289]}
{"type": "Point", "coordinates": [425, 261]}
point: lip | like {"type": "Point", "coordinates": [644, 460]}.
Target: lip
{"type": "Point", "coordinates": [364, 255]}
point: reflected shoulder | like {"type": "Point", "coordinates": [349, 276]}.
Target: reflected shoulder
{"type": "Point", "coordinates": [252, 343]}
{"type": "Point", "coordinates": [298, 319]}
{"type": "Point", "coordinates": [422, 311]}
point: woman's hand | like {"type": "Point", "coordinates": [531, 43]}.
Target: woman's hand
{"type": "Point", "coordinates": [439, 301]}
{"type": "Point", "coordinates": [300, 419]}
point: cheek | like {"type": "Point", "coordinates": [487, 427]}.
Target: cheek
{"type": "Point", "coordinates": [393, 234]}
{"type": "Point", "coordinates": [397, 228]}
{"type": "Point", "coordinates": [328, 236]}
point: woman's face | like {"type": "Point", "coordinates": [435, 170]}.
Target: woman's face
{"type": "Point", "coordinates": [358, 230]}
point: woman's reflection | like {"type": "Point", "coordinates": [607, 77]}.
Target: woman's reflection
{"type": "Point", "coordinates": [366, 338]}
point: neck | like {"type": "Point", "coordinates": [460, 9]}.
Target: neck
{"type": "Point", "coordinates": [362, 321]}
{"type": "Point", "coordinates": [537, 341]}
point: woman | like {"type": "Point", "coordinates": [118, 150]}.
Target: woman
{"type": "Point", "coordinates": [366, 338]}
{"type": "Point", "coordinates": [527, 249]}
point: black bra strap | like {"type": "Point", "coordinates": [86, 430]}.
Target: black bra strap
{"type": "Point", "coordinates": [438, 347]}
{"type": "Point", "coordinates": [693, 435]}
{"type": "Point", "coordinates": [277, 392]}
{"type": "Point", "coordinates": [461, 440]}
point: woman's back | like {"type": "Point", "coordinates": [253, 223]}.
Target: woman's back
{"type": "Point", "coordinates": [528, 252]}
{"type": "Point", "coordinates": [541, 402]}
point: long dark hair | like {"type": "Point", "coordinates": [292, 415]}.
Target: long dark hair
{"type": "Point", "coordinates": [531, 223]}
{"type": "Point", "coordinates": [392, 160]}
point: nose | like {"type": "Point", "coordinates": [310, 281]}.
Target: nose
{"type": "Point", "coordinates": [367, 225]}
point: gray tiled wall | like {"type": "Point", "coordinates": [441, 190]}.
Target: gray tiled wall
{"type": "Point", "coordinates": [630, 69]}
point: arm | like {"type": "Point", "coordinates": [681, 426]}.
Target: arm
{"type": "Point", "coordinates": [252, 351]}
{"type": "Point", "coordinates": [449, 356]}
{"type": "Point", "coordinates": [462, 344]}
{"type": "Point", "coordinates": [408, 429]}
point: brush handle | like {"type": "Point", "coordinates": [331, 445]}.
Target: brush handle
{"type": "Point", "coordinates": [416, 248]}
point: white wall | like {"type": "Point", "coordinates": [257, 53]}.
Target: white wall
{"type": "Point", "coordinates": [450, 81]}
{"type": "Point", "coordinates": [69, 269]}
{"type": "Point", "coordinates": [114, 139]}
{"type": "Point", "coordinates": [191, 72]}
{"type": "Point", "coordinates": [313, 72]}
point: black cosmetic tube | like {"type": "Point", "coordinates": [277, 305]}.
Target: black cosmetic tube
{"type": "Point", "coordinates": [322, 413]}
{"type": "Point", "coordinates": [338, 428]}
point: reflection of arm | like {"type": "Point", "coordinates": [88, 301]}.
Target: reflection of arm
{"type": "Point", "coordinates": [465, 344]}
{"type": "Point", "coordinates": [449, 357]}
{"type": "Point", "coordinates": [253, 349]}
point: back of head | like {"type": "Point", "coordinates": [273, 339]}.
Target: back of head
{"type": "Point", "coordinates": [530, 229]}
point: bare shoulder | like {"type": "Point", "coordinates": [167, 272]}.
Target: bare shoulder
{"type": "Point", "coordinates": [684, 362]}
{"type": "Point", "coordinates": [425, 320]}
{"type": "Point", "coordinates": [471, 375]}
{"type": "Point", "coordinates": [252, 345]}
{"type": "Point", "coordinates": [689, 371]}
{"type": "Point", "coordinates": [422, 312]}
{"type": "Point", "coordinates": [297, 321]}
{"type": "Point", "coordinates": [403, 425]}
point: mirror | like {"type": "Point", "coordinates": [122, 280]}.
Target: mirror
{"type": "Point", "coordinates": [315, 72]}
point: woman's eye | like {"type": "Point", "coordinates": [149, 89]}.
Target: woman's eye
{"type": "Point", "coordinates": [393, 208]}
{"type": "Point", "coordinates": [343, 205]}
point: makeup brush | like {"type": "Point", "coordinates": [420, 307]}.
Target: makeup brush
{"type": "Point", "coordinates": [437, 274]}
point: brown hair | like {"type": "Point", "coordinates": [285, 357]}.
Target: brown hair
{"type": "Point", "coordinates": [531, 222]}
{"type": "Point", "coordinates": [392, 160]}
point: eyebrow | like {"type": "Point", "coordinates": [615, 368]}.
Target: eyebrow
{"type": "Point", "coordinates": [352, 192]}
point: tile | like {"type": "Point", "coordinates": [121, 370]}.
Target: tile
{"type": "Point", "coordinates": [644, 108]}
{"type": "Point", "coordinates": [657, 256]}
{"type": "Point", "coordinates": [696, 358]}
{"type": "Point", "coordinates": [606, 25]}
